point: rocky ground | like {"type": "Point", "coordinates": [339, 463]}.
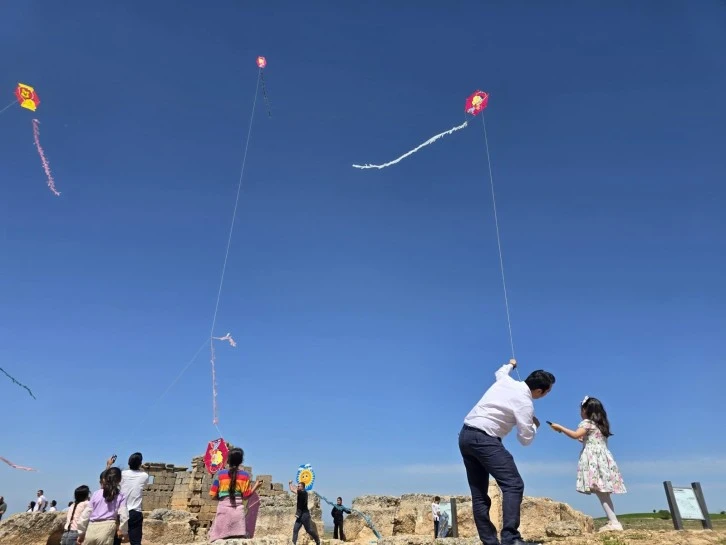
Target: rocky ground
{"type": "Point", "coordinates": [402, 520]}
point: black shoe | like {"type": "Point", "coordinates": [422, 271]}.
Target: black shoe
{"type": "Point", "coordinates": [522, 542]}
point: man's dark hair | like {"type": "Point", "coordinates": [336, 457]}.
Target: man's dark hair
{"type": "Point", "coordinates": [540, 380]}
{"type": "Point", "coordinates": [135, 461]}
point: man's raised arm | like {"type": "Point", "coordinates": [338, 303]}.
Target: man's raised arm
{"type": "Point", "coordinates": [505, 369]}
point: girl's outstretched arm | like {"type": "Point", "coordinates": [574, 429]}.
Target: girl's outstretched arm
{"type": "Point", "coordinates": [578, 434]}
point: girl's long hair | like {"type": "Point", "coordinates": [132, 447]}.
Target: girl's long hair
{"type": "Point", "coordinates": [234, 460]}
{"type": "Point", "coordinates": [81, 494]}
{"type": "Point", "coordinates": [595, 412]}
{"type": "Point", "coordinates": [111, 483]}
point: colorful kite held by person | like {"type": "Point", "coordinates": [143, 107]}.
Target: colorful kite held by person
{"type": "Point", "coordinates": [215, 458]}
{"type": "Point", "coordinates": [474, 105]}
{"type": "Point", "coordinates": [306, 476]}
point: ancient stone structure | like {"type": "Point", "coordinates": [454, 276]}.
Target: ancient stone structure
{"type": "Point", "coordinates": [179, 488]}
{"type": "Point", "coordinates": [410, 515]}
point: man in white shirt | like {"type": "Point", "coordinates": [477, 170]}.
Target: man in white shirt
{"type": "Point", "coordinates": [41, 504]}
{"type": "Point", "coordinates": [133, 481]}
{"type": "Point", "coordinates": [506, 404]}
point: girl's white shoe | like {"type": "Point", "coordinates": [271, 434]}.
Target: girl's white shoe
{"type": "Point", "coordinates": [612, 527]}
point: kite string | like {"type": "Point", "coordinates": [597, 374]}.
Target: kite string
{"type": "Point", "coordinates": [226, 255]}
{"type": "Point", "coordinates": [8, 106]}
{"type": "Point", "coordinates": [499, 242]}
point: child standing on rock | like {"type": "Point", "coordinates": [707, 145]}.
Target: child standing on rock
{"type": "Point", "coordinates": [597, 472]}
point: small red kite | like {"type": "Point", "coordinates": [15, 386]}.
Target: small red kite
{"type": "Point", "coordinates": [476, 102]}
{"type": "Point", "coordinates": [27, 97]}
{"type": "Point", "coordinates": [216, 456]}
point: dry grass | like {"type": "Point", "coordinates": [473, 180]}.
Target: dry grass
{"type": "Point", "coordinates": [651, 521]}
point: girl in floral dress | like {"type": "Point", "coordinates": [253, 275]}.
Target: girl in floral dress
{"type": "Point", "coordinates": [597, 472]}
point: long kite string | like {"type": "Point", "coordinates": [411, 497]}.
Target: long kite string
{"type": "Point", "coordinates": [365, 517]}
{"type": "Point", "coordinates": [499, 242]}
{"type": "Point", "coordinates": [8, 106]}
{"type": "Point", "coordinates": [226, 255]}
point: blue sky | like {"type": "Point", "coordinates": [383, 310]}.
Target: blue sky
{"type": "Point", "coordinates": [367, 305]}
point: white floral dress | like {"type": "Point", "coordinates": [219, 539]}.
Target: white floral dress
{"type": "Point", "coordinates": [597, 470]}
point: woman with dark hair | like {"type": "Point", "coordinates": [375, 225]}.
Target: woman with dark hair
{"type": "Point", "coordinates": [597, 472]}
{"type": "Point", "coordinates": [70, 530]}
{"type": "Point", "coordinates": [233, 489]}
{"type": "Point", "coordinates": [98, 524]}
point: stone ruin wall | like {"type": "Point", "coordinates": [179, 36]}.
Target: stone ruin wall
{"type": "Point", "coordinates": [179, 488]}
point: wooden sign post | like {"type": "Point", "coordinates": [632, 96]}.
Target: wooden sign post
{"type": "Point", "coordinates": [687, 504]}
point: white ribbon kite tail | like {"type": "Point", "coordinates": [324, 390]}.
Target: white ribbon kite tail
{"type": "Point", "coordinates": [428, 142]}
{"type": "Point", "coordinates": [227, 337]}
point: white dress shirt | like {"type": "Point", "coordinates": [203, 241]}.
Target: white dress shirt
{"type": "Point", "coordinates": [506, 403]}
{"type": "Point", "coordinates": [132, 486]}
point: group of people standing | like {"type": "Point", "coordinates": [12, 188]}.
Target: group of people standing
{"type": "Point", "coordinates": [111, 513]}
{"type": "Point", "coordinates": [509, 403]}
{"type": "Point", "coordinates": [238, 504]}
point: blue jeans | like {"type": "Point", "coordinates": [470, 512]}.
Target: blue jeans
{"type": "Point", "coordinates": [484, 456]}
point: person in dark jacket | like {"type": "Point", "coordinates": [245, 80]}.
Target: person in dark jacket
{"type": "Point", "coordinates": [337, 513]}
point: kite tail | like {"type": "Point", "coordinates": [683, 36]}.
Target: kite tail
{"type": "Point", "coordinates": [428, 142]}
{"type": "Point", "coordinates": [16, 466]}
{"type": "Point", "coordinates": [215, 419]}
{"type": "Point", "coordinates": [365, 517]}
{"type": "Point", "coordinates": [264, 93]}
{"type": "Point", "coordinates": [16, 382]}
{"type": "Point", "coordinates": [43, 160]}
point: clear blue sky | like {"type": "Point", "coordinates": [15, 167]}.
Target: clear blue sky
{"type": "Point", "coordinates": [367, 305]}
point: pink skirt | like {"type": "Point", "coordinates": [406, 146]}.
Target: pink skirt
{"type": "Point", "coordinates": [235, 520]}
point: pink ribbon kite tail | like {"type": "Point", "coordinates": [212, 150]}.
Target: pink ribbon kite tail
{"type": "Point", "coordinates": [43, 160]}
{"type": "Point", "coordinates": [15, 466]}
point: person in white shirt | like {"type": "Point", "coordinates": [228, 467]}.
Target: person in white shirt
{"type": "Point", "coordinates": [506, 404]}
{"type": "Point", "coordinates": [53, 506]}
{"type": "Point", "coordinates": [435, 512]}
{"type": "Point", "coordinates": [41, 504]}
{"type": "Point", "coordinates": [133, 481]}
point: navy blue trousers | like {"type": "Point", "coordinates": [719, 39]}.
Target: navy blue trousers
{"type": "Point", "coordinates": [484, 456]}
